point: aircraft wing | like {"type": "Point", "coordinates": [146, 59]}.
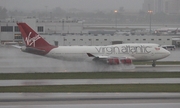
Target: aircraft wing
{"type": "Point", "coordinates": [97, 56]}
{"type": "Point", "coordinates": [124, 59]}
{"type": "Point", "coordinates": [106, 57]}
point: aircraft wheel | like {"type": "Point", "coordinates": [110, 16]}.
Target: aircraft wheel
{"type": "Point", "coordinates": [154, 64]}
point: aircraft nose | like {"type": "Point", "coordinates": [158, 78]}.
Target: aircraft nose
{"type": "Point", "coordinates": [167, 53]}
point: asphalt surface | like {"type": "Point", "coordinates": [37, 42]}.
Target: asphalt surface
{"type": "Point", "coordinates": [146, 105]}
{"type": "Point", "coordinates": [88, 100]}
{"type": "Point", "coordinates": [143, 105]}
{"type": "Point", "coordinates": [90, 81]}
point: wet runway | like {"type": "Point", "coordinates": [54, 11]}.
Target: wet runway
{"type": "Point", "coordinates": [89, 100]}
{"type": "Point", "coordinates": [146, 105]}
{"type": "Point", "coordinates": [158, 68]}
{"type": "Point", "coordinates": [90, 81]}
{"type": "Point", "coordinates": [12, 60]}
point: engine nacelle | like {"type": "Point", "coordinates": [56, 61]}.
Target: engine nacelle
{"type": "Point", "coordinates": [117, 61]}
{"type": "Point", "coordinates": [113, 61]}
{"type": "Point", "coordinates": [126, 61]}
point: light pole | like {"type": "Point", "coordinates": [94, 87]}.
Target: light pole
{"type": "Point", "coordinates": [115, 11]}
{"type": "Point", "coordinates": [46, 11]}
{"type": "Point", "coordinates": [63, 24]}
{"type": "Point", "coordinates": [51, 16]}
{"type": "Point", "coordinates": [82, 26]}
{"type": "Point", "coordinates": [150, 12]}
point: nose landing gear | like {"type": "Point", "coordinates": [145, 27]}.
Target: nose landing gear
{"type": "Point", "coordinates": [154, 63]}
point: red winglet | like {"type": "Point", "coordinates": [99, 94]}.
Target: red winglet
{"type": "Point", "coordinates": [90, 55]}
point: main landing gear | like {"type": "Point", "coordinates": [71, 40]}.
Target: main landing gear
{"type": "Point", "coordinates": [154, 63]}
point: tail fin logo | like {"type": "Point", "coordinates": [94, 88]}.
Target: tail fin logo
{"type": "Point", "coordinates": [32, 41]}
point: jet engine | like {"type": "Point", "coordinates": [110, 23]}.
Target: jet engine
{"type": "Point", "coordinates": [117, 61]}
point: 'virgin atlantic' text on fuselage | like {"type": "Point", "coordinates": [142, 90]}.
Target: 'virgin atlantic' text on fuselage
{"type": "Point", "coordinates": [124, 49]}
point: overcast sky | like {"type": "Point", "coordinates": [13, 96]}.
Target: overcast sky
{"type": "Point", "coordinates": [67, 4]}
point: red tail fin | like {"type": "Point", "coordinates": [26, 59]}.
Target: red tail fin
{"type": "Point", "coordinates": [32, 39]}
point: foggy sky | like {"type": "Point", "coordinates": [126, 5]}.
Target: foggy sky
{"type": "Point", "coordinates": [87, 5]}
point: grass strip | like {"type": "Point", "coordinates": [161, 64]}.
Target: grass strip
{"type": "Point", "coordinates": [95, 88]}
{"type": "Point", "coordinates": [88, 75]}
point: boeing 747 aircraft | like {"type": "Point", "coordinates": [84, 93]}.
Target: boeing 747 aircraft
{"type": "Point", "coordinates": [111, 55]}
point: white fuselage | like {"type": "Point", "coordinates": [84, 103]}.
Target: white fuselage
{"type": "Point", "coordinates": [139, 52]}
{"type": "Point", "coordinates": [168, 30]}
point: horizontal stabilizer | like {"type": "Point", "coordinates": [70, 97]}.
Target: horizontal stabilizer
{"type": "Point", "coordinates": [16, 46]}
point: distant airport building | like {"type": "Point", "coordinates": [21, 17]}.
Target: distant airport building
{"type": "Point", "coordinates": [9, 30]}
{"type": "Point", "coordinates": [91, 40]}
{"type": "Point", "coordinates": [172, 6]}
{"type": "Point", "coordinates": [166, 6]}
{"type": "Point", "coordinates": [154, 5]}
{"type": "Point", "coordinates": [72, 32]}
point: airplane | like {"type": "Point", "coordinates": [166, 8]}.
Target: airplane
{"type": "Point", "coordinates": [111, 55]}
{"type": "Point", "coordinates": [167, 30]}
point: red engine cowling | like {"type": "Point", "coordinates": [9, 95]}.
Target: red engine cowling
{"type": "Point", "coordinates": [113, 61]}
{"type": "Point", "coordinates": [116, 61]}
{"type": "Point", "coordinates": [126, 61]}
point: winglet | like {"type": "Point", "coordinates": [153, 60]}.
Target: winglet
{"type": "Point", "coordinates": [90, 55]}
